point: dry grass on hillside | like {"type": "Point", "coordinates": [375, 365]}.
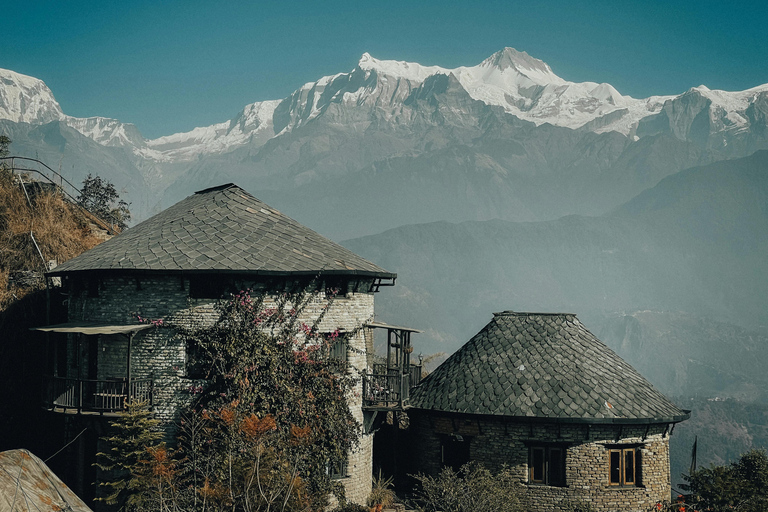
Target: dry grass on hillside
{"type": "Point", "coordinates": [59, 228]}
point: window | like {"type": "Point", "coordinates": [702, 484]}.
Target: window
{"type": "Point", "coordinates": [546, 465]}
{"type": "Point", "coordinates": [92, 287]}
{"type": "Point", "coordinates": [455, 451]}
{"type": "Point", "coordinates": [198, 362]}
{"type": "Point", "coordinates": [624, 466]}
{"type": "Point", "coordinates": [337, 346]}
{"type": "Point", "coordinates": [340, 470]}
{"type": "Point", "coordinates": [210, 286]}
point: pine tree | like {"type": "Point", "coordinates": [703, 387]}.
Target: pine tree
{"type": "Point", "coordinates": [134, 438]}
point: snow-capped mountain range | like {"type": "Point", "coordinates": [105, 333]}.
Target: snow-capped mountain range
{"type": "Point", "coordinates": [522, 85]}
{"type": "Point", "coordinates": [507, 138]}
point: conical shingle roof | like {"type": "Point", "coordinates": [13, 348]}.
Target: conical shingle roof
{"type": "Point", "coordinates": [545, 366]}
{"type": "Point", "coordinates": [222, 229]}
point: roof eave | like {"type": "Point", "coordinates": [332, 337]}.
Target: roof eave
{"type": "Point", "coordinates": [265, 273]}
{"type": "Point", "coordinates": [582, 421]}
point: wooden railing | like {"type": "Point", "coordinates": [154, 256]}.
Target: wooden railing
{"type": "Point", "coordinates": [88, 395]}
{"type": "Point", "coordinates": [387, 389]}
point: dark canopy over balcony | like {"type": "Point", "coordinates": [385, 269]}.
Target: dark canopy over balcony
{"type": "Point", "coordinates": [80, 395]}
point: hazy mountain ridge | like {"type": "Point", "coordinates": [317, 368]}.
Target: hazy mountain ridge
{"type": "Point", "coordinates": [726, 429]}
{"type": "Point", "coordinates": [695, 243]}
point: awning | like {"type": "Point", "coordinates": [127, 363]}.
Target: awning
{"type": "Point", "coordinates": [93, 328]}
{"type": "Point", "coordinates": [380, 325]}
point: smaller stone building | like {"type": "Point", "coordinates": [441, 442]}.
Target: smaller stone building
{"type": "Point", "coordinates": [540, 393]}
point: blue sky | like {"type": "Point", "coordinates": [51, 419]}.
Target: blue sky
{"type": "Point", "coordinates": [169, 66]}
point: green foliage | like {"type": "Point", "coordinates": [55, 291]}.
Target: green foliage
{"type": "Point", "coordinates": [263, 432]}
{"type": "Point", "coordinates": [741, 485]}
{"type": "Point", "coordinates": [472, 489]}
{"type": "Point", "coordinates": [678, 505]}
{"type": "Point", "coordinates": [100, 198]}
{"type": "Point", "coordinates": [273, 417]}
{"type": "Point", "coordinates": [5, 144]}
{"type": "Point", "coordinates": [133, 434]}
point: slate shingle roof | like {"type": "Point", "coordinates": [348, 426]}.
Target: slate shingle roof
{"type": "Point", "coordinates": [546, 366]}
{"type": "Point", "coordinates": [222, 229]}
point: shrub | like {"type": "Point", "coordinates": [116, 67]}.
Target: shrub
{"type": "Point", "coordinates": [351, 507]}
{"type": "Point", "coordinates": [472, 489]}
{"type": "Point", "coordinates": [381, 492]}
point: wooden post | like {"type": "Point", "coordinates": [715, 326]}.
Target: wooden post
{"type": "Point", "coordinates": [128, 368]}
{"type": "Point", "coordinates": [79, 356]}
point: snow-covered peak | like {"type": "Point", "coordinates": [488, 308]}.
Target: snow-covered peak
{"type": "Point", "coordinates": [252, 124]}
{"type": "Point", "coordinates": [728, 111]}
{"type": "Point", "coordinates": [24, 99]}
{"type": "Point", "coordinates": [520, 61]}
{"type": "Point", "coordinates": [400, 69]}
{"type": "Point", "coordinates": [525, 87]}
{"type": "Point", "coordinates": [106, 131]}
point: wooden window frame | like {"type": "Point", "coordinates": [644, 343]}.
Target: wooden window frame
{"type": "Point", "coordinates": [339, 348]}
{"type": "Point", "coordinates": [622, 475]}
{"type": "Point", "coordinates": [340, 471]}
{"type": "Point", "coordinates": [542, 467]}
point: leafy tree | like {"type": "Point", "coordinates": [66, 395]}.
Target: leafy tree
{"type": "Point", "coordinates": [263, 433]}
{"type": "Point", "coordinates": [741, 485]}
{"type": "Point", "coordinates": [99, 197]}
{"type": "Point", "coordinates": [274, 414]}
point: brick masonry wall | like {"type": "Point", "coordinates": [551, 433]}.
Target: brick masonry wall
{"type": "Point", "coordinates": [160, 355]}
{"type": "Point", "coordinates": [495, 443]}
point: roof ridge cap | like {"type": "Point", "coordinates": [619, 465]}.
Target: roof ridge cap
{"type": "Point", "coordinates": [530, 313]}
{"type": "Point", "coordinates": [225, 186]}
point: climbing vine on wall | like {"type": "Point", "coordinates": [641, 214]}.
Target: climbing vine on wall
{"type": "Point", "coordinates": [272, 421]}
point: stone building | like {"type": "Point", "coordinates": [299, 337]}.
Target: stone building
{"type": "Point", "coordinates": [541, 394]}
{"type": "Point", "coordinates": [173, 267]}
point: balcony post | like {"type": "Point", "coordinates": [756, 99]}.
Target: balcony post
{"type": "Point", "coordinates": [79, 356]}
{"type": "Point", "coordinates": [128, 368]}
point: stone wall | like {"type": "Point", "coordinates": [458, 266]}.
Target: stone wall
{"type": "Point", "coordinates": [494, 443]}
{"type": "Point", "coordinates": [159, 355]}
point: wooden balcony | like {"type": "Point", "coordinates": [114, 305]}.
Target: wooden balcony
{"type": "Point", "coordinates": [87, 396]}
{"type": "Point", "coordinates": [389, 389]}
{"type": "Point", "coordinates": [388, 386]}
